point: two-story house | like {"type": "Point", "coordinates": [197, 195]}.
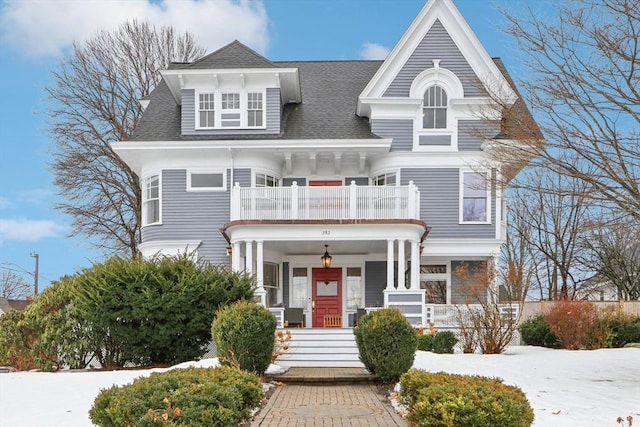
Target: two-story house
{"type": "Point", "coordinates": [341, 185]}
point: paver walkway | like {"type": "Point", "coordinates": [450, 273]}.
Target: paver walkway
{"type": "Point", "coordinates": [318, 404]}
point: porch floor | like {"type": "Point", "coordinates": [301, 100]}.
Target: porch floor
{"type": "Point", "coordinates": [298, 375]}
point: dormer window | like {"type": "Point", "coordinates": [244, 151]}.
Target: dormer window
{"type": "Point", "coordinates": [224, 109]}
{"type": "Point", "coordinates": [434, 111]}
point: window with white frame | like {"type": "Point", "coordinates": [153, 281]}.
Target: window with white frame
{"type": "Point", "coordinates": [299, 288]}
{"type": "Point", "coordinates": [206, 110]}
{"type": "Point", "coordinates": [474, 197]}
{"type": "Point", "coordinates": [255, 109]}
{"type": "Point", "coordinates": [265, 180]}
{"type": "Point", "coordinates": [230, 109]}
{"type": "Point", "coordinates": [205, 181]}
{"type": "Point", "coordinates": [385, 179]}
{"type": "Point", "coordinates": [434, 279]}
{"type": "Point", "coordinates": [354, 288]}
{"type": "Point", "coordinates": [434, 109]}
{"type": "Point", "coordinates": [151, 200]}
{"type": "Point", "coordinates": [271, 283]}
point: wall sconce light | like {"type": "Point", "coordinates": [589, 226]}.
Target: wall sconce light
{"type": "Point", "coordinates": [326, 258]}
{"type": "Point", "coordinates": [229, 250]}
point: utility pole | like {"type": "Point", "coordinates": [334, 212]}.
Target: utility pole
{"type": "Point", "coordinates": [35, 273]}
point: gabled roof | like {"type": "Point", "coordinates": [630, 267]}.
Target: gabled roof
{"type": "Point", "coordinates": [444, 12]}
{"type": "Point", "coordinates": [234, 55]}
{"type": "Point", "coordinates": [7, 305]}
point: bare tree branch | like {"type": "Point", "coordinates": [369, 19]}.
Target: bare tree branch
{"type": "Point", "coordinates": [13, 286]}
{"type": "Point", "coordinates": [94, 102]}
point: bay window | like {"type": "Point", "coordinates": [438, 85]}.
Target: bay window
{"type": "Point", "coordinates": [474, 201]}
{"type": "Point", "coordinates": [151, 200]}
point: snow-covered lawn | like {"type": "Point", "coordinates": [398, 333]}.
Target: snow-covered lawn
{"type": "Point", "coordinates": [565, 388]}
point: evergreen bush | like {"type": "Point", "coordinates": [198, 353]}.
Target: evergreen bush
{"type": "Point", "coordinates": [386, 343]}
{"type": "Point", "coordinates": [628, 332]}
{"type": "Point", "coordinates": [444, 342]}
{"type": "Point", "coordinates": [448, 400]}
{"type": "Point", "coordinates": [244, 333]}
{"type": "Point", "coordinates": [16, 341]}
{"type": "Point", "coordinates": [212, 397]}
{"type": "Point", "coordinates": [536, 331]}
{"type": "Point", "coordinates": [425, 342]}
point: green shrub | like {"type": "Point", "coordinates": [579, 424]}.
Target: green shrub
{"type": "Point", "coordinates": [213, 397]}
{"type": "Point", "coordinates": [244, 333]}
{"type": "Point", "coordinates": [536, 331]}
{"type": "Point", "coordinates": [16, 341]}
{"type": "Point", "coordinates": [386, 343]}
{"type": "Point", "coordinates": [159, 311]}
{"type": "Point", "coordinates": [425, 342]}
{"type": "Point", "coordinates": [626, 333]}
{"type": "Point", "coordinates": [443, 342]}
{"type": "Point", "coordinates": [448, 400]}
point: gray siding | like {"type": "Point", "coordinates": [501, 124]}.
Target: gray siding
{"type": "Point", "coordinates": [471, 133]}
{"type": "Point", "coordinates": [461, 292]}
{"type": "Point", "coordinates": [242, 176]}
{"type": "Point", "coordinates": [273, 113]}
{"type": "Point", "coordinates": [288, 182]}
{"type": "Point", "coordinates": [440, 203]}
{"type": "Point", "coordinates": [191, 216]}
{"type": "Point", "coordinates": [436, 44]}
{"type": "Point", "coordinates": [359, 180]}
{"type": "Point", "coordinates": [375, 282]}
{"type": "Point", "coordinates": [285, 284]}
{"type": "Point", "coordinates": [435, 140]}
{"type": "Point", "coordinates": [400, 130]}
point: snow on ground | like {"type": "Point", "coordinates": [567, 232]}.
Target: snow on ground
{"type": "Point", "coordinates": [565, 388]}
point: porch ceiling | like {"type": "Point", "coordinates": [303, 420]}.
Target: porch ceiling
{"type": "Point", "coordinates": [335, 247]}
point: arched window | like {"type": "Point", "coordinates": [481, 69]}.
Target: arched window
{"type": "Point", "coordinates": [434, 109]}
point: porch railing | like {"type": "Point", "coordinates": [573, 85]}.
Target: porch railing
{"type": "Point", "coordinates": [351, 202]}
{"type": "Point", "coordinates": [449, 315]}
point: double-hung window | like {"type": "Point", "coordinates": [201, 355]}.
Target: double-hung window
{"type": "Point", "coordinates": [434, 111]}
{"type": "Point", "coordinates": [385, 179]}
{"type": "Point", "coordinates": [475, 197]}
{"type": "Point", "coordinates": [207, 110]}
{"type": "Point", "coordinates": [255, 109]}
{"type": "Point", "coordinates": [230, 109]}
{"type": "Point", "coordinates": [264, 180]}
{"type": "Point", "coordinates": [434, 280]}
{"type": "Point", "coordinates": [151, 200]}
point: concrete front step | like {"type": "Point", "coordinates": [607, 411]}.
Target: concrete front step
{"type": "Point", "coordinates": [326, 347]}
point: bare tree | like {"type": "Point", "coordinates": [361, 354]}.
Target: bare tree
{"type": "Point", "coordinates": [95, 101]}
{"type": "Point", "coordinates": [613, 251]}
{"type": "Point", "coordinates": [13, 286]}
{"type": "Point", "coordinates": [582, 60]}
{"type": "Point", "coordinates": [551, 213]}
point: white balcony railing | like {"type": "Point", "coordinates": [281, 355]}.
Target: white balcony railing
{"type": "Point", "coordinates": [351, 202]}
{"type": "Point", "coordinates": [449, 315]}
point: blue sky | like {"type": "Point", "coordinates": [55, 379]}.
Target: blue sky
{"type": "Point", "coordinates": [34, 36]}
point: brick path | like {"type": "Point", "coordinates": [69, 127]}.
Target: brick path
{"type": "Point", "coordinates": [327, 406]}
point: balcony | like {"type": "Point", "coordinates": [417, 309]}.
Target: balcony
{"type": "Point", "coordinates": [318, 203]}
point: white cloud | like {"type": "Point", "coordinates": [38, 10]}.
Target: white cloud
{"type": "Point", "coordinates": [43, 28]}
{"type": "Point", "coordinates": [373, 51]}
{"type": "Point", "coordinates": [27, 230]}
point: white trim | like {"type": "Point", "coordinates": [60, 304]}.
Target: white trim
{"type": "Point", "coordinates": [463, 247]}
{"type": "Point", "coordinates": [266, 172]}
{"type": "Point", "coordinates": [143, 185]}
{"type": "Point", "coordinates": [487, 174]}
{"type": "Point", "coordinates": [243, 94]}
{"type": "Point", "coordinates": [170, 248]}
{"type": "Point", "coordinates": [206, 172]}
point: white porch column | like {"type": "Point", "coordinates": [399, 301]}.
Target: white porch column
{"type": "Point", "coordinates": [235, 257]}
{"type": "Point", "coordinates": [390, 264]}
{"type": "Point", "coordinates": [248, 257]}
{"type": "Point", "coordinates": [415, 265]}
{"type": "Point", "coordinates": [260, 291]}
{"type": "Point", "coordinates": [402, 264]}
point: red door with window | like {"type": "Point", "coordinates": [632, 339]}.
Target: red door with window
{"type": "Point", "coordinates": [326, 294]}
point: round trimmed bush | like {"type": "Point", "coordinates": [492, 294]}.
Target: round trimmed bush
{"type": "Point", "coordinates": [536, 331]}
{"type": "Point", "coordinates": [448, 400]}
{"type": "Point", "coordinates": [386, 342]}
{"type": "Point", "coordinates": [244, 333]}
{"type": "Point", "coordinates": [443, 342]}
{"type": "Point", "coordinates": [213, 397]}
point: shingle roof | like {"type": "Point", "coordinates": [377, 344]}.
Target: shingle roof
{"type": "Point", "coordinates": [233, 55]}
{"type": "Point", "coordinates": [330, 92]}
{"type": "Point", "coordinates": [7, 305]}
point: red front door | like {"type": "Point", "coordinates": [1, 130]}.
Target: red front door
{"type": "Point", "coordinates": [325, 183]}
{"type": "Point", "coordinates": [327, 294]}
